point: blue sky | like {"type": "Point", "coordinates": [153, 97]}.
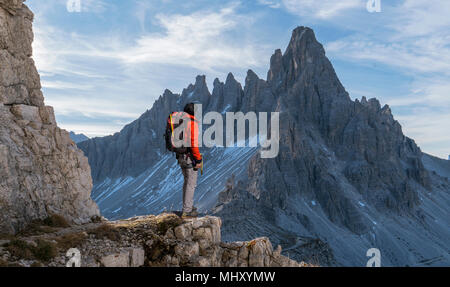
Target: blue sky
{"type": "Point", "coordinates": [104, 66]}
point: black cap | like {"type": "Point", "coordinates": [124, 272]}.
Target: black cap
{"type": "Point", "coordinates": [189, 108]}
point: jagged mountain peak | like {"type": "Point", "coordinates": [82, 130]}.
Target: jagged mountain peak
{"type": "Point", "coordinates": [167, 92]}
{"type": "Point", "coordinates": [199, 85]}
{"type": "Point", "coordinates": [197, 92]}
{"type": "Point", "coordinates": [230, 78]}
{"type": "Point", "coordinates": [303, 49]}
{"type": "Point", "coordinates": [275, 66]}
{"type": "Point", "coordinates": [299, 31]}
{"type": "Point", "coordinates": [303, 61]}
{"type": "Point", "coordinates": [301, 38]}
{"type": "Point", "coordinates": [364, 100]}
{"type": "Point", "coordinates": [386, 109]}
{"type": "Point", "coordinates": [216, 82]}
{"type": "Point", "coordinates": [251, 75]}
{"type": "Point", "coordinates": [200, 80]}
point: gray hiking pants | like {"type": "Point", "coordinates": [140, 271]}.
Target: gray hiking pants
{"type": "Point", "coordinates": [190, 181]}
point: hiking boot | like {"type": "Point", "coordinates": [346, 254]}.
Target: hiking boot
{"type": "Point", "coordinates": [191, 214]}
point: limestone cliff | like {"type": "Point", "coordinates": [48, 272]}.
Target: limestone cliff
{"type": "Point", "coordinates": [42, 172]}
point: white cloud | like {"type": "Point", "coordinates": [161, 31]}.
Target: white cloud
{"type": "Point", "coordinates": [414, 35]}
{"type": "Point", "coordinates": [271, 4]}
{"type": "Point", "coordinates": [93, 6]}
{"type": "Point", "coordinates": [93, 130]}
{"type": "Point", "coordinates": [198, 40]}
{"type": "Point", "coordinates": [61, 85]}
{"type": "Point", "coordinates": [416, 56]}
{"type": "Point", "coordinates": [429, 129]}
{"type": "Point", "coordinates": [92, 77]}
{"type": "Point", "coordinates": [141, 10]}
{"type": "Point", "coordinates": [323, 9]}
{"type": "Point", "coordinates": [426, 93]}
{"type": "Point", "coordinates": [91, 107]}
{"type": "Point", "coordinates": [55, 52]}
{"type": "Point", "coordinates": [420, 17]}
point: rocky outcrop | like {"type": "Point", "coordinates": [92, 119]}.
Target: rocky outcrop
{"type": "Point", "coordinates": [163, 240]}
{"type": "Point", "coordinates": [41, 169]}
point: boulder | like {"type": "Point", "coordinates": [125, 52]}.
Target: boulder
{"type": "Point", "coordinates": [116, 260]}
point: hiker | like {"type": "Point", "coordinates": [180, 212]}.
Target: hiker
{"type": "Point", "coordinates": [189, 158]}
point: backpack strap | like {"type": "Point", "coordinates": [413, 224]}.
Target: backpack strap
{"type": "Point", "coordinates": [171, 123]}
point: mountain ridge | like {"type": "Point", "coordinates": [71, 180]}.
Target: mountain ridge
{"type": "Point", "coordinates": [77, 137]}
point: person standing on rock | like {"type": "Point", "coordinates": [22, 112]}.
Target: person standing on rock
{"type": "Point", "coordinates": [188, 155]}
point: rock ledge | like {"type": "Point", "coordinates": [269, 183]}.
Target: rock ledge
{"type": "Point", "coordinates": [163, 240]}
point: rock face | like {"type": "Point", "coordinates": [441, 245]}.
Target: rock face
{"type": "Point", "coordinates": [41, 169]}
{"type": "Point", "coordinates": [163, 240]}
